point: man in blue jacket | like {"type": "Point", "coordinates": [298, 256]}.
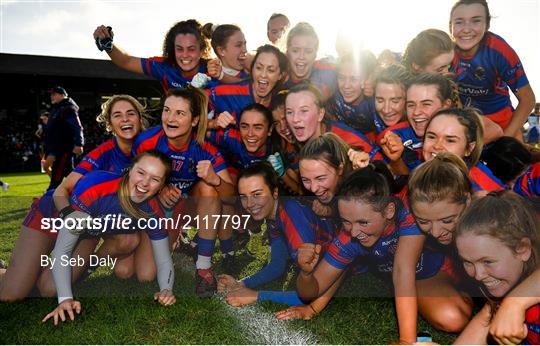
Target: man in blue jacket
{"type": "Point", "coordinates": [64, 136]}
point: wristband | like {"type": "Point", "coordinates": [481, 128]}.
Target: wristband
{"type": "Point", "coordinates": [66, 211]}
{"type": "Point", "coordinates": [315, 311]}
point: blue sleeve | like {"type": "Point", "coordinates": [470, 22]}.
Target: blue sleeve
{"type": "Point", "coordinates": [75, 125]}
{"type": "Point", "coordinates": [289, 298]}
{"type": "Point", "coordinates": [153, 67]}
{"type": "Point", "coordinates": [297, 222]}
{"type": "Point", "coordinates": [407, 224]}
{"type": "Point", "coordinates": [274, 269]}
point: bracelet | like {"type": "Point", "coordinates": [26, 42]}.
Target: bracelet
{"type": "Point", "coordinates": [315, 311]}
{"type": "Point", "coordinates": [66, 211]}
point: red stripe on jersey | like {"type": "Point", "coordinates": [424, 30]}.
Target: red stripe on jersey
{"type": "Point", "coordinates": [503, 48]}
{"type": "Point", "coordinates": [483, 180]}
{"type": "Point", "coordinates": [235, 134]}
{"type": "Point", "coordinates": [334, 251]}
{"type": "Point", "coordinates": [292, 234]}
{"type": "Point", "coordinates": [532, 318]}
{"type": "Point", "coordinates": [148, 65]}
{"type": "Point", "coordinates": [231, 89]}
{"type": "Point", "coordinates": [87, 166]}
{"type": "Point", "coordinates": [400, 125]}
{"type": "Point", "coordinates": [150, 143]}
{"type": "Point", "coordinates": [208, 147]}
{"type": "Point", "coordinates": [351, 139]}
{"type": "Point", "coordinates": [95, 154]}
{"type": "Point", "coordinates": [89, 196]}
{"type": "Point", "coordinates": [164, 84]}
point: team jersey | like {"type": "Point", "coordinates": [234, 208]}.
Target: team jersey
{"type": "Point", "coordinates": [345, 249]}
{"type": "Point", "coordinates": [379, 124]}
{"type": "Point", "coordinates": [356, 115]}
{"type": "Point", "coordinates": [233, 149]}
{"type": "Point", "coordinates": [323, 76]}
{"type": "Point", "coordinates": [528, 184]}
{"type": "Point", "coordinates": [300, 225]}
{"type": "Point", "coordinates": [169, 76]}
{"type": "Point", "coordinates": [184, 160]}
{"type": "Point", "coordinates": [412, 152]}
{"type": "Point", "coordinates": [482, 178]}
{"type": "Point", "coordinates": [107, 157]}
{"type": "Point", "coordinates": [484, 79]}
{"type": "Point", "coordinates": [355, 139]}
{"type": "Point", "coordinates": [532, 320]}
{"type": "Point", "coordinates": [230, 97]}
{"type": "Point", "coordinates": [95, 194]}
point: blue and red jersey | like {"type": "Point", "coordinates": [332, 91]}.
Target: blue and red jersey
{"type": "Point", "coordinates": [380, 126]}
{"type": "Point", "coordinates": [412, 153]}
{"type": "Point", "coordinates": [169, 76]}
{"type": "Point", "coordinates": [484, 79]}
{"type": "Point", "coordinates": [106, 157]}
{"type": "Point", "coordinates": [482, 178]}
{"type": "Point", "coordinates": [229, 143]}
{"type": "Point", "coordinates": [532, 320]}
{"type": "Point", "coordinates": [96, 194]}
{"type": "Point", "coordinates": [355, 139]}
{"type": "Point", "coordinates": [358, 115]}
{"type": "Point", "coordinates": [231, 97]}
{"type": "Point", "coordinates": [301, 225]}
{"type": "Point", "coordinates": [345, 249]}
{"type": "Point", "coordinates": [323, 76]}
{"type": "Point", "coordinates": [528, 184]}
{"type": "Point", "coordinates": [184, 160]}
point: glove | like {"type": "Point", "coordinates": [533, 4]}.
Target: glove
{"type": "Point", "coordinates": [105, 44]}
{"type": "Point", "coordinates": [277, 163]}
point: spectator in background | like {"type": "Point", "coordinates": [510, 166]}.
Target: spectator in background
{"type": "Point", "coordinates": [277, 25]}
{"type": "Point", "coordinates": [63, 137]}
{"type": "Point", "coordinates": [40, 134]}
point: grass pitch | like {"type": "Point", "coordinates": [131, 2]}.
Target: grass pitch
{"type": "Point", "coordinates": [123, 312]}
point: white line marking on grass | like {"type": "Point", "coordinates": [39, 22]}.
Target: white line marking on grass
{"type": "Point", "coordinates": [261, 327]}
{"type": "Point", "coordinates": [257, 325]}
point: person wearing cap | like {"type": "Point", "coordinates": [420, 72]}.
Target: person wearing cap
{"type": "Point", "coordinates": [63, 137]}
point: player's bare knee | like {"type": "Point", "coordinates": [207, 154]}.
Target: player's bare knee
{"type": "Point", "coordinates": [126, 243]}
{"type": "Point", "coordinates": [123, 271]}
{"type": "Point", "coordinates": [146, 274]}
{"type": "Point", "coordinates": [450, 320]}
{"type": "Point", "coordinates": [46, 288]}
{"type": "Point", "coordinates": [8, 295]}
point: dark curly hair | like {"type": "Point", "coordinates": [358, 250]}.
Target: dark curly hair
{"type": "Point", "coordinates": [190, 26]}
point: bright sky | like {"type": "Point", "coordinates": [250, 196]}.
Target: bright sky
{"type": "Point", "coordinates": [64, 28]}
